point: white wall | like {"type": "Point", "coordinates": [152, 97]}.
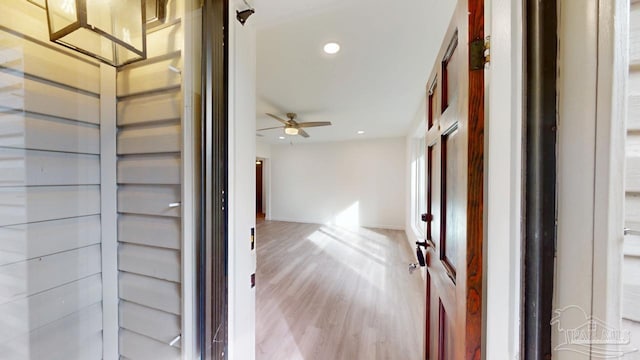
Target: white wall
{"type": "Point", "coordinates": [242, 154]}
{"type": "Point", "coordinates": [263, 150]}
{"type": "Point", "coordinates": [351, 183]}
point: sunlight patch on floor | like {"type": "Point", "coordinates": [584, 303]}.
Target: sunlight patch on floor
{"type": "Point", "coordinates": [356, 255]}
{"type": "Point", "coordinates": [349, 217]}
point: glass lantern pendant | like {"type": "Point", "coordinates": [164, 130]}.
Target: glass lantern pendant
{"type": "Point", "coordinates": [112, 31]}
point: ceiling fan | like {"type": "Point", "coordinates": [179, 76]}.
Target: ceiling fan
{"type": "Point", "coordinates": [292, 127]}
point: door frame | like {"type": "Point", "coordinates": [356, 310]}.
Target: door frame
{"type": "Point", "coordinates": [613, 67]}
{"type": "Point", "coordinates": [504, 21]}
{"type": "Point", "coordinates": [588, 248]}
{"type": "Point", "coordinates": [213, 270]}
{"type": "Point", "coordinates": [541, 159]}
{"type": "Point", "coordinates": [240, 204]}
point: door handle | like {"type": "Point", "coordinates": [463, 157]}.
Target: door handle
{"type": "Point", "coordinates": [420, 257]}
{"type": "Point", "coordinates": [412, 267]}
{"type": "Point", "coordinates": [424, 244]}
{"type": "Point", "coordinates": [426, 217]}
{"type": "Point", "coordinates": [420, 254]}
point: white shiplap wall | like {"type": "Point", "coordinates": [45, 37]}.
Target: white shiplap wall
{"type": "Point", "coordinates": [631, 265]}
{"type": "Point", "coordinates": [149, 145]}
{"type": "Point", "coordinates": [50, 253]}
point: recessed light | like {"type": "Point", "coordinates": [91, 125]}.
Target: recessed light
{"type": "Point", "coordinates": [281, 137]}
{"type": "Point", "coordinates": [360, 132]}
{"type": "Point", "coordinates": [331, 48]}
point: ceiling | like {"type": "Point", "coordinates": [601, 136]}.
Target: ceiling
{"type": "Point", "coordinates": [375, 83]}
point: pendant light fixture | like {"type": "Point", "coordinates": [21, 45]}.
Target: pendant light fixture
{"type": "Point", "coordinates": [112, 31]}
{"type": "Point", "coordinates": [156, 13]}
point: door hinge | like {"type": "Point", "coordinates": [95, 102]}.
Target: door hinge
{"type": "Point", "coordinates": [479, 53]}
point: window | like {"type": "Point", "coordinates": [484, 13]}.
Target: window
{"type": "Point", "coordinates": [419, 193]}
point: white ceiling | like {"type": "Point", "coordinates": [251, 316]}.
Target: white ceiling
{"type": "Point", "coordinates": [375, 83]}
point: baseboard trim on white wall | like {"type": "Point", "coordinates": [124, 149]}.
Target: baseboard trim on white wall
{"type": "Point", "coordinates": [319, 222]}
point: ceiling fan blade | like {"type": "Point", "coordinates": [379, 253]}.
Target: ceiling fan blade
{"type": "Point", "coordinates": [271, 128]}
{"type": "Point", "coordinates": [279, 119]}
{"type": "Point", "coordinates": [314, 124]}
{"type": "Point", "coordinates": [259, 135]}
{"type": "Point", "coordinates": [303, 133]}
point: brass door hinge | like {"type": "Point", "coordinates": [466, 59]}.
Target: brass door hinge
{"type": "Point", "coordinates": [479, 53]}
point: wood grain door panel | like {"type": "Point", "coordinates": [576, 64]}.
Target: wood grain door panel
{"type": "Point", "coordinates": [455, 171]}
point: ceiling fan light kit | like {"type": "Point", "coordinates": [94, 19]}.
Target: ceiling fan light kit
{"type": "Point", "coordinates": [292, 127]}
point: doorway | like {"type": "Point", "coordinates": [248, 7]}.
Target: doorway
{"type": "Point", "coordinates": [260, 191]}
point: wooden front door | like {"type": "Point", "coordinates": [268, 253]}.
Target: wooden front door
{"type": "Point", "coordinates": [455, 146]}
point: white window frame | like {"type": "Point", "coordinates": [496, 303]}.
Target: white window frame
{"type": "Point", "coordinates": [418, 185]}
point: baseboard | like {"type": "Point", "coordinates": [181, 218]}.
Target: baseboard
{"type": "Point", "coordinates": [312, 221]}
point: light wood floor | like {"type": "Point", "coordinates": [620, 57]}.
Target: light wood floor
{"type": "Point", "coordinates": [326, 292]}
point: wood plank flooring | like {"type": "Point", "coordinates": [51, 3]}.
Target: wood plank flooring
{"type": "Point", "coordinates": [327, 292]}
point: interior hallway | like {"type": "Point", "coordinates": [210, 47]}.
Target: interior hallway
{"type": "Point", "coordinates": [328, 292]}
